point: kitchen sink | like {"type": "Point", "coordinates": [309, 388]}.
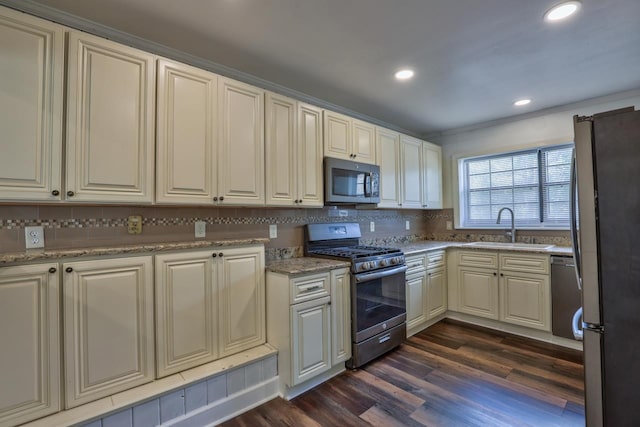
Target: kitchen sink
{"type": "Point", "coordinates": [501, 245]}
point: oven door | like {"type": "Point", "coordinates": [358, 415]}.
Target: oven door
{"type": "Point", "coordinates": [378, 302]}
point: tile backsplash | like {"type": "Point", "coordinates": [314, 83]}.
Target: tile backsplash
{"type": "Point", "coordinates": [95, 226]}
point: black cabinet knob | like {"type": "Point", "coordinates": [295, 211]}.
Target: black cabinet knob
{"type": "Point", "coordinates": [495, 274]}
{"type": "Point", "coordinates": [68, 269]}
{"type": "Point", "coordinates": [215, 199]}
{"type": "Point", "coordinates": [501, 275]}
{"type": "Point", "coordinates": [70, 193]}
{"type": "Point", "coordinates": [214, 255]}
{"type": "Point", "coordinates": [55, 193]}
{"type": "Point", "coordinates": [53, 270]}
{"type": "Point", "coordinates": [221, 198]}
{"type": "Point", "coordinates": [220, 254]}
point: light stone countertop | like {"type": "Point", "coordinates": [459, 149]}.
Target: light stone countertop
{"type": "Point", "coordinates": [431, 245]}
{"type": "Point", "coordinates": [305, 265]}
{"type": "Point", "coordinates": [36, 255]}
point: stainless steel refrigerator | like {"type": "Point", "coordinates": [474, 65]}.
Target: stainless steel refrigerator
{"type": "Point", "coordinates": [606, 234]}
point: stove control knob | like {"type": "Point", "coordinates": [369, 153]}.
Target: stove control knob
{"type": "Point", "coordinates": [367, 265]}
{"type": "Point", "coordinates": [383, 263]}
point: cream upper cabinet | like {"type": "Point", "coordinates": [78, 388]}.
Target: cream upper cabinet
{"type": "Point", "coordinates": [108, 327]}
{"type": "Point", "coordinates": [431, 176]}
{"type": "Point", "coordinates": [32, 70]}
{"type": "Point", "coordinates": [241, 302]}
{"type": "Point", "coordinates": [110, 121]}
{"type": "Point", "coordinates": [388, 147]}
{"type": "Point", "coordinates": [411, 167]}
{"type": "Point", "coordinates": [186, 310]}
{"type": "Point", "coordinates": [293, 153]}
{"type": "Point", "coordinates": [241, 143]}
{"type": "Point", "coordinates": [347, 138]}
{"type": "Point", "coordinates": [187, 125]}
{"type": "Point", "coordinates": [30, 336]}
{"type": "Point", "coordinates": [340, 316]}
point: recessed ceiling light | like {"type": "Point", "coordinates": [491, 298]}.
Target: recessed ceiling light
{"type": "Point", "coordinates": [561, 11]}
{"type": "Point", "coordinates": [405, 74]}
{"type": "Point", "coordinates": [521, 102]}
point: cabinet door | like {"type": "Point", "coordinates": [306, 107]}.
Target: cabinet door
{"type": "Point", "coordinates": [311, 345]}
{"type": "Point", "coordinates": [436, 292]}
{"type": "Point", "coordinates": [337, 136]}
{"type": "Point", "coordinates": [416, 297]}
{"type": "Point", "coordinates": [281, 155]}
{"type": "Point", "coordinates": [525, 301]}
{"type": "Point", "coordinates": [478, 292]}
{"type": "Point", "coordinates": [364, 142]}
{"type": "Point", "coordinates": [32, 52]}
{"type": "Point", "coordinates": [242, 299]}
{"type": "Point", "coordinates": [241, 143]}
{"type": "Point", "coordinates": [186, 305]}
{"type": "Point", "coordinates": [432, 176]}
{"type": "Point", "coordinates": [108, 327]}
{"type": "Point", "coordinates": [309, 161]}
{"type": "Point", "coordinates": [388, 146]}
{"type": "Point", "coordinates": [30, 336]}
{"type": "Point", "coordinates": [340, 316]}
{"type": "Point", "coordinates": [411, 160]}
{"type": "Point", "coordinates": [187, 134]}
{"type": "Point", "coordinates": [110, 121]}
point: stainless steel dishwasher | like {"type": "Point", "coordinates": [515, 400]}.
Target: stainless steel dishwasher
{"type": "Point", "coordinates": [566, 298]}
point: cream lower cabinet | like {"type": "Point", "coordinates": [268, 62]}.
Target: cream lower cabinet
{"type": "Point", "coordinates": [108, 327]}
{"type": "Point", "coordinates": [426, 286]}
{"type": "Point", "coordinates": [510, 287]}
{"type": "Point", "coordinates": [32, 69]}
{"type": "Point", "coordinates": [293, 153]}
{"type": "Point", "coordinates": [314, 334]}
{"type": "Point", "coordinates": [241, 301]}
{"type": "Point", "coordinates": [30, 336]}
{"type": "Point", "coordinates": [110, 121]}
{"type": "Point", "coordinates": [186, 310]}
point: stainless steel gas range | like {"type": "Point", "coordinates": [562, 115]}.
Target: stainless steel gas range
{"type": "Point", "coordinates": [378, 305]}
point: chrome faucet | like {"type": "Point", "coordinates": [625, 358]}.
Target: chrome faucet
{"type": "Point", "coordinates": [513, 227]}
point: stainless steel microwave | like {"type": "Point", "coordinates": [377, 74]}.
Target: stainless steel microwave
{"type": "Point", "coordinates": [350, 182]}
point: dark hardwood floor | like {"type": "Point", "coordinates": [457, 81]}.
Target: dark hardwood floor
{"type": "Point", "coordinates": [451, 374]}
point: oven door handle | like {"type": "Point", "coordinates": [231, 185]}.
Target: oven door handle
{"type": "Point", "coordinates": [365, 277]}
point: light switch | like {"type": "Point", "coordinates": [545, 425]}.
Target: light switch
{"type": "Point", "coordinates": [273, 231]}
{"type": "Point", "coordinates": [407, 225]}
{"type": "Point", "coordinates": [449, 225]}
{"type": "Point", "coordinates": [201, 229]}
{"type": "Point", "coordinates": [372, 226]}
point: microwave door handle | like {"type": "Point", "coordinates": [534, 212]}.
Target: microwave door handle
{"type": "Point", "coordinates": [575, 242]}
{"type": "Point", "coordinates": [367, 185]}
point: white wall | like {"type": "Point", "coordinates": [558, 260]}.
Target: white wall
{"type": "Point", "coordinates": [553, 126]}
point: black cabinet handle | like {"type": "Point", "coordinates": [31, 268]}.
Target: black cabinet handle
{"type": "Point", "coordinates": [53, 270]}
{"type": "Point", "coordinates": [220, 254]}
{"type": "Point", "coordinates": [68, 269]}
{"type": "Point", "coordinates": [55, 193]}
{"type": "Point", "coordinates": [70, 193]}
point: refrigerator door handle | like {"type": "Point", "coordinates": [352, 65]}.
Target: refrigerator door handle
{"type": "Point", "coordinates": [576, 325]}
{"type": "Point", "coordinates": [575, 242]}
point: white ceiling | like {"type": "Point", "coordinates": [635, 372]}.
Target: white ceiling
{"type": "Point", "coordinates": [472, 58]}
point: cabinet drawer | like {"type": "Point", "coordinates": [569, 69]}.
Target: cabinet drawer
{"type": "Point", "coordinates": [435, 259]}
{"type": "Point", "coordinates": [416, 263]}
{"type": "Point", "coordinates": [478, 259]}
{"type": "Point", "coordinates": [528, 263]}
{"type": "Point", "coordinates": [310, 287]}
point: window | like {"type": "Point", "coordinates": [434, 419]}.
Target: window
{"type": "Point", "coordinates": [533, 183]}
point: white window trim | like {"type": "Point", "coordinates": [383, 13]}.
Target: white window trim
{"type": "Point", "coordinates": [455, 179]}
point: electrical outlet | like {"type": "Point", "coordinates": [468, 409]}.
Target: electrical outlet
{"type": "Point", "coordinates": [273, 231]}
{"type": "Point", "coordinates": [407, 225]}
{"type": "Point", "coordinates": [34, 237]}
{"type": "Point", "coordinates": [372, 226]}
{"type": "Point", "coordinates": [134, 224]}
{"type": "Point", "coordinates": [201, 229]}
{"type": "Point", "coordinates": [449, 225]}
